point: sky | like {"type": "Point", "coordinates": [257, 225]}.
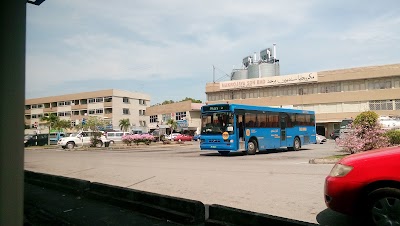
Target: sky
{"type": "Point", "coordinates": [167, 49]}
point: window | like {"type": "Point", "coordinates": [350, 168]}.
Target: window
{"type": "Point", "coordinates": [153, 118]}
{"type": "Point", "coordinates": [67, 113]}
{"type": "Point", "coordinates": [67, 103]}
{"type": "Point", "coordinates": [144, 112]}
{"type": "Point", "coordinates": [380, 84]}
{"type": "Point", "coordinates": [91, 100]}
{"type": "Point", "coordinates": [381, 105]}
{"type": "Point", "coordinates": [92, 111]}
{"type": "Point", "coordinates": [142, 102]}
{"type": "Point", "coordinates": [99, 111]}
{"type": "Point", "coordinates": [125, 111]}
{"type": "Point", "coordinates": [34, 106]}
{"type": "Point", "coordinates": [34, 116]}
{"type": "Point", "coordinates": [40, 106]}
{"type": "Point", "coordinates": [99, 99]}
{"type": "Point", "coordinates": [73, 123]}
{"type": "Point", "coordinates": [397, 104]}
{"type": "Point", "coordinates": [107, 99]}
{"type": "Point", "coordinates": [180, 115]}
{"type": "Point", "coordinates": [125, 100]}
{"type": "Point", "coordinates": [61, 114]}
{"type": "Point", "coordinates": [166, 117]}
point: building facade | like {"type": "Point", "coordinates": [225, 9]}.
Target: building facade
{"type": "Point", "coordinates": [111, 105]}
{"type": "Point", "coordinates": [185, 113]}
{"type": "Point", "coordinates": [334, 95]}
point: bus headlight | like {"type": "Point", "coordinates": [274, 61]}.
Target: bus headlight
{"type": "Point", "coordinates": [231, 141]}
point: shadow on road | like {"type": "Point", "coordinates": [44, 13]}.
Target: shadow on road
{"type": "Point", "coordinates": [237, 154]}
{"type": "Point", "coordinates": [331, 218]}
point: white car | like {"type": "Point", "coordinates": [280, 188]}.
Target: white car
{"type": "Point", "coordinates": [320, 139]}
{"type": "Point", "coordinates": [172, 136]}
{"type": "Point", "coordinates": [80, 139]}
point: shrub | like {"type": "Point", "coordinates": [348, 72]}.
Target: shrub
{"type": "Point", "coordinates": [366, 118]}
{"type": "Point", "coordinates": [95, 139]}
{"type": "Point", "coordinates": [137, 138]}
{"type": "Point", "coordinates": [363, 137]}
{"type": "Point", "coordinates": [393, 136]}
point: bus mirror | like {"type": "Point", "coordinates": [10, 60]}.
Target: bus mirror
{"type": "Point", "coordinates": [229, 128]}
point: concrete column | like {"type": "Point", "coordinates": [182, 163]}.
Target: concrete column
{"type": "Point", "coordinates": [12, 94]}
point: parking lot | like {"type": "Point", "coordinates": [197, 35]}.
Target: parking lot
{"type": "Point", "coordinates": [280, 183]}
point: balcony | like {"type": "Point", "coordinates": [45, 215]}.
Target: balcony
{"type": "Point", "coordinates": [77, 107]}
{"type": "Point", "coordinates": [48, 110]}
{"type": "Point", "coordinates": [107, 104]}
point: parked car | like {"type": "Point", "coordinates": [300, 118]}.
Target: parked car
{"type": "Point", "coordinates": [196, 137]}
{"type": "Point", "coordinates": [335, 134]}
{"type": "Point", "coordinates": [320, 139]}
{"type": "Point", "coordinates": [183, 137]}
{"type": "Point", "coordinates": [81, 139]}
{"type": "Point", "coordinates": [172, 136]}
{"type": "Point", "coordinates": [368, 184]}
{"type": "Point", "coordinates": [115, 136]}
{"type": "Point", "coordinates": [36, 140]}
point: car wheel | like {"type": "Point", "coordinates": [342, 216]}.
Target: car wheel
{"type": "Point", "coordinates": [99, 144]}
{"type": "Point", "coordinates": [70, 145]}
{"type": "Point", "coordinates": [224, 153]}
{"type": "Point", "coordinates": [384, 206]}
{"type": "Point", "coordinates": [252, 147]}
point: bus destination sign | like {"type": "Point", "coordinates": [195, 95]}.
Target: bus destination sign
{"type": "Point", "coordinates": [222, 107]}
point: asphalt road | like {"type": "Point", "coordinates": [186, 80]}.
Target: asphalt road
{"type": "Point", "coordinates": [280, 183]}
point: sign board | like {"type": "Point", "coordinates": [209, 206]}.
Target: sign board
{"type": "Point", "coordinates": [182, 124]}
{"type": "Point", "coordinates": [220, 107]}
{"type": "Point", "coordinates": [270, 81]}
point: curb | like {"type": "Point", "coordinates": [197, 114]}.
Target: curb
{"type": "Point", "coordinates": [324, 161]}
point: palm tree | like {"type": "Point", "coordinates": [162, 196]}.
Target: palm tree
{"type": "Point", "coordinates": [52, 121]}
{"type": "Point", "coordinates": [124, 124]}
{"type": "Point", "coordinates": [172, 124]}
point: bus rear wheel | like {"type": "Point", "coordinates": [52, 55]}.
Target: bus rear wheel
{"type": "Point", "coordinates": [252, 147]}
{"type": "Point", "coordinates": [296, 145]}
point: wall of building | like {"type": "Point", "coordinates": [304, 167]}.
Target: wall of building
{"type": "Point", "coordinates": [337, 94]}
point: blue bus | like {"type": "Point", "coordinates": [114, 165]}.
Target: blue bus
{"type": "Point", "coordinates": [243, 128]}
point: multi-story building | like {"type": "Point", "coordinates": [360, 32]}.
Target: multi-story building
{"type": "Point", "coordinates": [334, 95]}
{"type": "Point", "coordinates": [111, 105]}
{"type": "Point", "coordinates": [185, 113]}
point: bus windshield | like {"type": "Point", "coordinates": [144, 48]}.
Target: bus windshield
{"type": "Point", "coordinates": [217, 123]}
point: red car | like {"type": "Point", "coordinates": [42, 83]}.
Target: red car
{"type": "Point", "coordinates": [367, 183]}
{"type": "Point", "coordinates": [183, 137]}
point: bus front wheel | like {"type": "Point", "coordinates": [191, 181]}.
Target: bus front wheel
{"type": "Point", "coordinates": [252, 147]}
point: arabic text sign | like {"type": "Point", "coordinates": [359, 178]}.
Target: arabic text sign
{"type": "Point", "coordinates": [270, 81]}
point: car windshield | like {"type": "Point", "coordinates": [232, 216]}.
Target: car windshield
{"type": "Point", "coordinates": [345, 123]}
{"type": "Point", "coordinates": [217, 123]}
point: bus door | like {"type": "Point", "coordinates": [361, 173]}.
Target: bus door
{"type": "Point", "coordinates": [240, 132]}
{"type": "Point", "coordinates": [283, 118]}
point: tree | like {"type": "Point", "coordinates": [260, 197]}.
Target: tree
{"type": "Point", "coordinates": [365, 134]}
{"type": "Point", "coordinates": [63, 124]}
{"type": "Point", "coordinates": [193, 100]}
{"type": "Point", "coordinates": [124, 124]}
{"type": "Point", "coordinates": [94, 123]}
{"type": "Point", "coordinates": [172, 124]}
{"type": "Point", "coordinates": [366, 119]}
{"type": "Point", "coordinates": [52, 120]}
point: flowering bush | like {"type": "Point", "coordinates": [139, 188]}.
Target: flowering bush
{"type": "Point", "coordinates": [137, 138]}
{"type": "Point", "coordinates": [363, 137]}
